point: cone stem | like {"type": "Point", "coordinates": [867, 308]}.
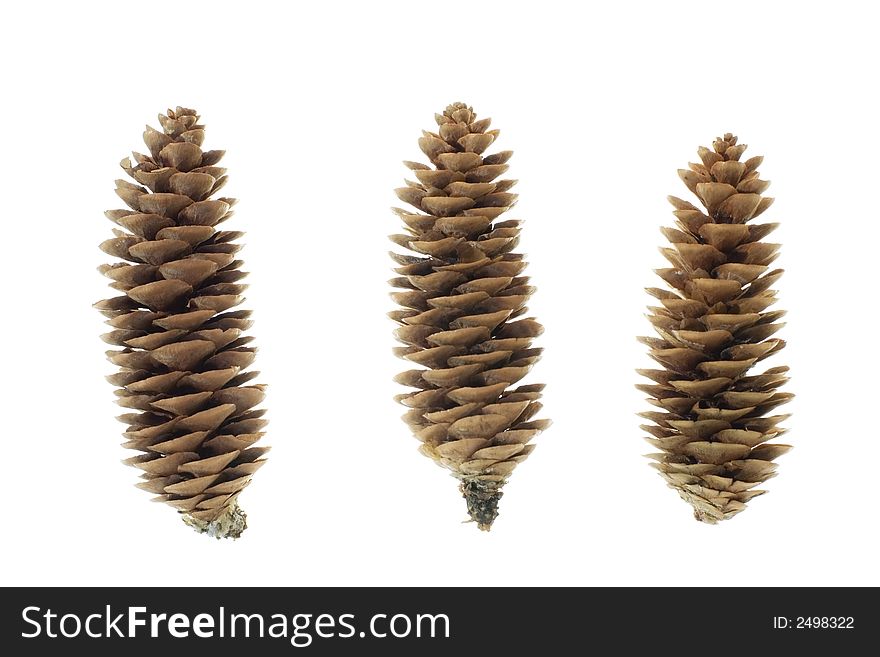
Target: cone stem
{"type": "Point", "coordinates": [482, 502]}
{"type": "Point", "coordinates": [231, 523]}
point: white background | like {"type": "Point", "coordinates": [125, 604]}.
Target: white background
{"type": "Point", "coordinates": [317, 104]}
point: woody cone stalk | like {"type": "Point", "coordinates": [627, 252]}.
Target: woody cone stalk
{"type": "Point", "coordinates": [714, 425]}
{"type": "Point", "coordinates": [462, 298]}
{"type": "Point", "coordinates": [181, 349]}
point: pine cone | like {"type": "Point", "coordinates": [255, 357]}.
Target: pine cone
{"type": "Point", "coordinates": [184, 353]}
{"type": "Point", "coordinates": [460, 297]}
{"type": "Point", "coordinates": [712, 427]}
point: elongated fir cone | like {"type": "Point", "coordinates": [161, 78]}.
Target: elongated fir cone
{"type": "Point", "coordinates": [181, 349]}
{"type": "Point", "coordinates": [713, 421]}
{"type": "Point", "coordinates": [463, 300]}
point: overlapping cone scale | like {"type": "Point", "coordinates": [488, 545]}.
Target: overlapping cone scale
{"type": "Point", "coordinates": [715, 416]}
{"type": "Point", "coordinates": [179, 341]}
{"type": "Point", "coordinates": [462, 319]}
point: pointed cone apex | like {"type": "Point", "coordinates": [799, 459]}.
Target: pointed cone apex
{"type": "Point", "coordinates": [711, 430]}
{"type": "Point", "coordinates": [182, 353]}
{"type": "Point", "coordinates": [463, 295]}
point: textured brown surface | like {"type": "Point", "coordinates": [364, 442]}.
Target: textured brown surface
{"type": "Point", "coordinates": [715, 417]}
{"type": "Point", "coordinates": [462, 295]}
{"type": "Point", "coordinates": [181, 349]}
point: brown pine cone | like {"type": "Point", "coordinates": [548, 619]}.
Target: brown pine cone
{"type": "Point", "coordinates": [462, 299]}
{"type": "Point", "coordinates": [184, 355]}
{"type": "Point", "coordinates": [712, 425]}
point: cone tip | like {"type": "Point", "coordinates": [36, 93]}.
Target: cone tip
{"type": "Point", "coordinates": [482, 502]}
{"type": "Point", "coordinates": [230, 523]}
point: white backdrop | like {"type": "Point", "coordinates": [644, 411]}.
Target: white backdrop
{"type": "Point", "coordinates": [317, 104]}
